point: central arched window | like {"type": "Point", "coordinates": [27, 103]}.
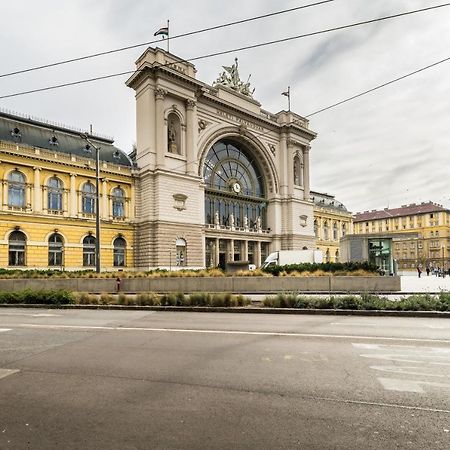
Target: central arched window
{"type": "Point", "coordinates": [55, 194]}
{"type": "Point", "coordinates": [16, 252]}
{"type": "Point", "coordinates": [88, 198]}
{"type": "Point", "coordinates": [118, 202]}
{"type": "Point", "coordinates": [55, 250]}
{"type": "Point", "coordinates": [16, 189]}
{"type": "Point", "coordinates": [89, 251]}
{"type": "Point", "coordinates": [235, 195]}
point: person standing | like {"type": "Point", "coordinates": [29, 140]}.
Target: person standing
{"type": "Point", "coordinates": [419, 270]}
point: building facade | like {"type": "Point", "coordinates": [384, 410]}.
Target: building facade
{"type": "Point", "coordinates": [214, 179]}
{"type": "Point", "coordinates": [420, 232]}
{"type": "Point", "coordinates": [332, 222]}
{"type": "Point", "coordinates": [48, 192]}
{"type": "Point", "coordinates": [219, 176]}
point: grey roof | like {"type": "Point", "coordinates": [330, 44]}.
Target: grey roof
{"type": "Point", "coordinates": [33, 132]}
{"type": "Point", "coordinates": [327, 201]}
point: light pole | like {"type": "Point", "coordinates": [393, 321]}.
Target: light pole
{"type": "Point", "coordinates": [97, 201]}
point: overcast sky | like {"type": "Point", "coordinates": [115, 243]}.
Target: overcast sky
{"type": "Point", "coordinates": [385, 149]}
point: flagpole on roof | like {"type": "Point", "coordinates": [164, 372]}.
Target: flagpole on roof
{"type": "Point", "coordinates": [168, 35]}
{"type": "Point", "coordinates": [288, 95]}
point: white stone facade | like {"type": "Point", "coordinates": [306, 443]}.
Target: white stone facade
{"type": "Point", "coordinates": [179, 120]}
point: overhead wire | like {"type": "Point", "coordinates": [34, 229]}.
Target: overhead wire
{"type": "Point", "coordinates": [182, 35]}
{"type": "Point", "coordinates": [235, 50]}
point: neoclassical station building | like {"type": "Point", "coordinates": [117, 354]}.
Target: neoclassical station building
{"type": "Point", "coordinates": [214, 178]}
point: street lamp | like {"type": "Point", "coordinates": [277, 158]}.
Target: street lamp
{"type": "Point", "coordinates": [97, 200]}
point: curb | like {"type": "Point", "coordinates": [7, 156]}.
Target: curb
{"type": "Point", "coordinates": [243, 310]}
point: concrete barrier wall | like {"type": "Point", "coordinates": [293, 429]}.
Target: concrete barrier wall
{"type": "Point", "coordinates": [226, 284]}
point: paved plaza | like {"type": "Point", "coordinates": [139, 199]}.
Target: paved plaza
{"type": "Point", "coordinates": [431, 283]}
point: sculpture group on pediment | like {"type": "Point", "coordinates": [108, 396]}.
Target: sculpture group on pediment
{"type": "Point", "coordinates": [230, 78]}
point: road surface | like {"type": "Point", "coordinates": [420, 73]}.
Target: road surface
{"type": "Point", "coordinates": [173, 380]}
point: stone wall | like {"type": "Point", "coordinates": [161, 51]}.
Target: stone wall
{"type": "Point", "coordinates": [243, 285]}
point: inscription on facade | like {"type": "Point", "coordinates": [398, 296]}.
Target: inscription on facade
{"type": "Point", "coordinates": [239, 120]}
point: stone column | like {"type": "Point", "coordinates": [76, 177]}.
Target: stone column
{"type": "Point", "coordinates": [258, 254]}
{"type": "Point", "coordinates": [105, 201]}
{"type": "Point", "coordinates": [244, 250]}
{"type": "Point", "coordinates": [231, 250]}
{"type": "Point", "coordinates": [217, 253]}
{"type": "Point", "coordinates": [73, 204]}
{"type": "Point", "coordinates": [37, 207]}
{"type": "Point", "coordinates": [5, 194]}
{"type": "Point", "coordinates": [290, 166]}
{"type": "Point", "coordinates": [191, 136]}
{"type": "Point", "coordinates": [282, 164]}
{"type": "Point", "coordinates": [160, 128]}
{"type": "Point", "coordinates": [306, 193]}
{"type": "Point", "coordinates": [132, 200]}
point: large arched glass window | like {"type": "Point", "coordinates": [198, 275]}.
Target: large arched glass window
{"type": "Point", "coordinates": [55, 194]}
{"type": "Point", "coordinates": [119, 252]}
{"type": "Point", "coordinates": [235, 194]}
{"type": "Point", "coordinates": [118, 202]}
{"type": "Point", "coordinates": [335, 231]}
{"type": "Point", "coordinates": [55, 250]}
{"type": "Point", "coordinates": [181, 258]}
{"type": "Point", "coordinates": [88, 198]}
{"type": "Point", "coordinates": [89, 251]}
{"type": "Point", "coordinates": [16, 189]}
{"type": "Point", "coordinates": [16, 251]}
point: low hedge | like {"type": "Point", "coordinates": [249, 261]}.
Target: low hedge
{"type": "Point", "coordinates": [330, 267]}
{"type": "Point", "coordinates": [34, 297]}
{"type": "Point", "coordinates": [418, 302]}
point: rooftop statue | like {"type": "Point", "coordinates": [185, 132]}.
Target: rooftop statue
{"type": "Point", "coordinates": [230, 78]}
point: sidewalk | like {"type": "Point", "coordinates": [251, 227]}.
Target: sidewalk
{"type": "Point", "coordinates": [411, 283]}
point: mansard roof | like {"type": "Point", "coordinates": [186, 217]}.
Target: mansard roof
{"type": "Point", "coordinates": [404, 210]}
{"type": "Point", "coordinates": [327, 201]}
{"type": "Point", "coordinates": [25, 130]}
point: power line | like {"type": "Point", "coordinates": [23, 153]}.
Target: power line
{"type": "Point", "coordinates": [378, 87]}
{"type": "Point", "coordinates": [349, 98]}
{"type": "Point", "coordinates": [235, 50]}
{"type": "Point", "coordinates": [190, 33]}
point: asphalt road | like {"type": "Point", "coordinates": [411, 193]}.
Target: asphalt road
{"type": "Point", "coordinates": [160, 380]}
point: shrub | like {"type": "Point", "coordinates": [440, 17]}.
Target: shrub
{"type": "Point", "coordinates": [48, 297]}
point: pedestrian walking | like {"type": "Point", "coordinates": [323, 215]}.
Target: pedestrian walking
{"type": "Point", "coordinates": [428, 270]}
{"type": "Point", "coordinates": [419, 270]}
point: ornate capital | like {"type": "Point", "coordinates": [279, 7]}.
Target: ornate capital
{"type": "Point", "coordinates": [190, 104]}
{"type": "Point", "coordinates": [37, 168]}
{"type": "Point", "coordinates": [74, 175]}
{"type": "Point", "coordinates": [306, 149]}
{"type": "Point", "coordinates": [160, 93]}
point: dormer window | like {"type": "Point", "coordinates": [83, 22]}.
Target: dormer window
{"type": "Point", "coordinates": [53, 141]}
{"type": "Point", "coordinates": [16, 134]}
{"type": "Point", "coordinates": [87, 148]}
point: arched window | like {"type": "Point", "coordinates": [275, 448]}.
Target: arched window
{"type": "Point", "coordinates": [55, 250]}
{"type": "Point", "coordinates": [89, 251]}
{"type": "Point", "coordinates": [325, 231]}
{"type": "Point", "coordinates": [173, 134]}
{"type": "Point", "coordinates": [88, 198]}
{"type": "Point", "coordinates": [16, 189]}
{"type": "Point", "coordinates": [336, 256]}
{"type": "Point", "coordinates": [118, 202]}
{"type": "Point", "coordinates": [181, 252]}
{"type": "Point", "coordinates": [335, 231]}
{"type": "Point", "coordinates": [16, 252]}
{"type": "Point", "coordinates": [298, 170]}
{"type": "Point", "coordinates": [55, 194]}
{"type": "Point", "coordinates": [119, 252]}
{"type": "Point", "coordinates": [235, 187]}
{"type": "Point", "coordinates": [344, 229]}
{"type": "Point", "coordinates": [316, 229]}
{"type": "Point", "coordinates": [327, 255]}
